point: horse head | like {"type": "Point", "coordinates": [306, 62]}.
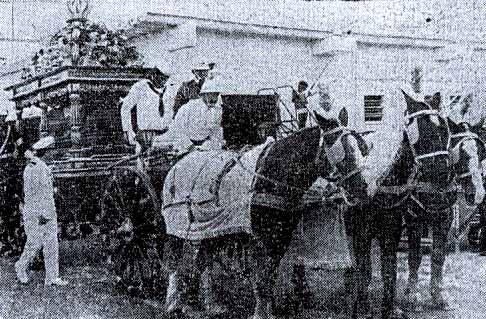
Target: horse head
{"type": "Point", "coordinates": [344, 151]}
{"type": "Point", "coordinates": [428, 135]}
{"type": "Point", "coordinates": [467, 153]}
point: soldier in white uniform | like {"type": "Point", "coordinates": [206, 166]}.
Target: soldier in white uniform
{"type": "Point", "coordinates": [198, 122]}
{"type": "Point", "coordinates": [39, 216]}
{"type": "Point", "coordinates": [144, 98]}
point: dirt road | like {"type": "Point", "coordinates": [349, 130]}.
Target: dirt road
{"type": "Point", "coordinates": [91, 293]}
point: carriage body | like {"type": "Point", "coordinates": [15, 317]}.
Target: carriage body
{"type": "Point", "coordinates": [102, 185]}
{"type": "Point", "coordinates": [81, 110]}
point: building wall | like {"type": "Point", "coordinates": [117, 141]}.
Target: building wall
{"type": "Point", "coordinates": [251, 62]}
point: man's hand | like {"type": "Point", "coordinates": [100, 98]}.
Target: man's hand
{"type": "Point", "coordinates": [43, 220]}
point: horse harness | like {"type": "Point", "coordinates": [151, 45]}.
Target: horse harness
{"type": "Point", "coordinates": [464, 137]}
{"type": "Point", "coordinates": [412, 182]}
{"type": "Point", "coordinates": [334, 156]}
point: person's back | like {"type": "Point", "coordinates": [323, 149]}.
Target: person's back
{"type": "Point", "coordinates": [39, 215]}
{"type": "Point", "coordinates": [193, 125]}
{"type": "Point", "coordinates": [38, 190]}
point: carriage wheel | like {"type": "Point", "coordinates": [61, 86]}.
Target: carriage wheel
{"type": "Point", "coordinates": [133, 231]}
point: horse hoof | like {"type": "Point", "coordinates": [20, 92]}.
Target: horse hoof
{"type": "Point", "coordinates": [441, 301]}
{"type": "Point", "coordinates": [263, 317]}
{"type": "Point", "coordinates": [216, 310]}
{"type": "Point", "coordinates": [174, 314]}
{"type": "Point", "coordinates": [397, 313]}
{"type": "Point", "coordinates": [192, 312]}
{"type": "Point", "coordinates": [442, 305]}
{"type": "Point", "coordinates": [413, 302]}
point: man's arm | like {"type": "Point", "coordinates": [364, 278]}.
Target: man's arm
{"type": "Point", "coordinates": [128, 105]}
{"type": "Point", "coordinates": [180, 99]}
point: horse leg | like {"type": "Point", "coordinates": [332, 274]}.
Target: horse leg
{"type": "Point", "coordinates": [412, 294]}
{"type": "Point", "coordinates": [440, 232]}
{"type": "Point", "coordinates": [301, 287]}
{"type": "Point", "coordinates": [264, 277]}
{"type": "Point", "coordinates": [174, 249]}
{"type": "Point", "coordinates": [389, 240]}
{"type": "Point", "coordinates": [212, 302]}
{"type": "Point", "coordinates": [273, 233]}
{"type": "Point", "coordinates": [189, 277]}
{"type": "Point", "coordinates": [363, 269]}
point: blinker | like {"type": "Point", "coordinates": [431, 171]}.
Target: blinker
{"type": "Point", "coordinates": [335, 153]}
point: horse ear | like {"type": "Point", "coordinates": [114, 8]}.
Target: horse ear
{"type": "Point", "coordinates": [435, 101]}
{"type": "Point", "coordinates": [325, 124]}
{"type": "Point", "coordinates": [453, 127]}
{"type": "Point", "coordinates": [343, 117]}
{"type": "Point", "coordinates": [413, 106]}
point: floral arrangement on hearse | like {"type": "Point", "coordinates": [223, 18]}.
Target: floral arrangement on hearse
{"type": "Point", "coordinates": [84, 43]}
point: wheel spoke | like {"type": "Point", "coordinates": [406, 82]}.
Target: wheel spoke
{"type": "Point", "coordinates": [119, 191]}
{"type": "Point", "coordinates": [129, 196]}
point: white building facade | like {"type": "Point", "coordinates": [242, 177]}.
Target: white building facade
{"type": "Point", "coordinates": [367, 49]}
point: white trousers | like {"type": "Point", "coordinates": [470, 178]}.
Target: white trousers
{"type": "Point", "coordinates": [41, 237]}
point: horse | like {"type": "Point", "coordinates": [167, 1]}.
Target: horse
{"type": "Point", "coordinates": [284, 172]}
{"type": "Point", "coordinates": [416, 155]}
{"type": "Point", "coordinates": [467, 152]}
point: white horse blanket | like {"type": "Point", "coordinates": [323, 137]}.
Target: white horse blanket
{"type": "Point", "coordinates": [207, 194]}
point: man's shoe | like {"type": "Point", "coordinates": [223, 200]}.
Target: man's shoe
{"type": "Point", "coordinates": [57, 282]}
{"type": "Point", "coordinates": [21, 274]}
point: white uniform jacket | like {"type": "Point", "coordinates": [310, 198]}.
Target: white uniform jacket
{"type": "Point", "coordinates": [195, 122]}
{"type": "Point", "coordinates": [146, 100]}
{"type": "Point", "coordinates": [38, 191]}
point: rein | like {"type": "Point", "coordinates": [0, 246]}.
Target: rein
{"type": "Point", "coordinates": [321, 147]}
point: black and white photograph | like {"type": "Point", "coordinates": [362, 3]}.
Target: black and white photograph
{"type": "Point", "coordinates": [242, 159]}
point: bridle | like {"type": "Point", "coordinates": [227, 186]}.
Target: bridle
{"type": "Point", "coordinates": [418, 114]}
{"type": "Point", "coordinates": [329, 151]}
{"type": "Point", "coordinates": [330, 155]}
{"type": "Point", "coordinates": [412, 183]}
{"type": "Point", "coordinates": [464, 137]}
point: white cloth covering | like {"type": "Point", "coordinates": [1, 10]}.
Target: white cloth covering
{"type": "Point", "coordinates": [195, 121]}
{"type": "Point", "coordinates": [215, 211]}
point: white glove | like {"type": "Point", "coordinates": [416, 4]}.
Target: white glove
{"type": "Point", "coordinates": [130, 137]}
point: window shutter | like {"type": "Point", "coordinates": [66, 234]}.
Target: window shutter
{"type": "Point", "coordinates": [373, 108]}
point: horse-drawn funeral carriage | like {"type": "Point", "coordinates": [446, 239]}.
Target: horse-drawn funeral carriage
{"type": "Point", "coordinates": [103, 186]}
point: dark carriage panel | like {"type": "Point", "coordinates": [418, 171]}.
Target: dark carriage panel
{"type": "Point", "coordinates": [81, 110]}
{"type": "Point", "coordinates": [249, 119]}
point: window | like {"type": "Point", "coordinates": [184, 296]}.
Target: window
{"type": "Point", "coordinates": [373, 109]}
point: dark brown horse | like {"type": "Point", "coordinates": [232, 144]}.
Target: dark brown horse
{"type": "Point", "coordinates": [467, 152]}
{"type": "Point", "coordinates": [285, 173]}
{"type": "Point", "coordinates": [421, 159]}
